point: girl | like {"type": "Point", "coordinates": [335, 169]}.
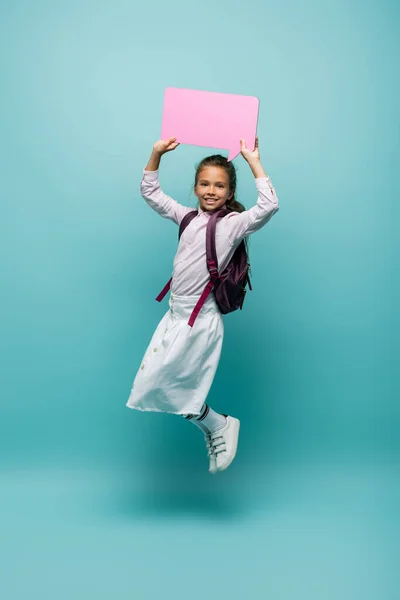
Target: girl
{"type": "Point", "coordinates": [179, 365]}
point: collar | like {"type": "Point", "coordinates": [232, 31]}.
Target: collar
{"type": "Point", "coordinates": [204, 212]}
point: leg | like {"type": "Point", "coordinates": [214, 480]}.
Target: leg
{"type": "Point", "coordinates": [208, 419]}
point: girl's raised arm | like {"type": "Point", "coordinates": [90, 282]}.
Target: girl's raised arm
{"type": "Point", "coordinates": [249, 221]}
{"type": "Point", "coordinates": [150, 186]}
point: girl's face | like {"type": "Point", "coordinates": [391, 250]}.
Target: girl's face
{"type": "Point", "coordinates": [212, 189]}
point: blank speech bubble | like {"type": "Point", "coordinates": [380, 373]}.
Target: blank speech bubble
{"type": "Point", "coordinates": [210, 119]}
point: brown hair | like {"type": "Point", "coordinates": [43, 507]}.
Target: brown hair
{"type": "Point", "coordinates": [217, 160]}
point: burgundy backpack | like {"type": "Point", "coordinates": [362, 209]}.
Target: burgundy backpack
{"type": "Point", "coordinates": [229, 286]}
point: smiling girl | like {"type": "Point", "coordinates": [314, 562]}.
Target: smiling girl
{"type": "Point", "coordinates": [180, 362]}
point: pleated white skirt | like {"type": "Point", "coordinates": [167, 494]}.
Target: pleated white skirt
{"type": "Point", "coordinates": [180, 363]}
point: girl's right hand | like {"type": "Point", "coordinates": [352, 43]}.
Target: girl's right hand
{"type": "Point", "coordinates": [163, 146]}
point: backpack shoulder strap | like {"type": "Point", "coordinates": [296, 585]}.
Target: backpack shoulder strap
{"type": "Point", "coordinates": [184, 223]}
{"type": "Point", "coordinates": [211, 252]}
{"type": "Point", "coordinates": [212, 262]}
{"type": "Point", "coordinates": [186, 220]}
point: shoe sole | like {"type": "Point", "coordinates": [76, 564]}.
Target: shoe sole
{"type": "Point", "coordinates": [236, 425]}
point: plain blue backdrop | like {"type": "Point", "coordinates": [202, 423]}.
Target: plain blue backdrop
{"type": "Point", "coordinates": [104, 502]}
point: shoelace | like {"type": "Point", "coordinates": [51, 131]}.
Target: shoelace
{"type": "Point", "coordinates": [209, 445]}
{"type": "Point", "coordinates": [218, 443]}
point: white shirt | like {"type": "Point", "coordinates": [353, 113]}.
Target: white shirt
{"type": "Point", "coordinates": [190, 274]}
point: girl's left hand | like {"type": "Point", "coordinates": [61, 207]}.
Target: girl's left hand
{"type": "Point", "coordinates": [247, 154]}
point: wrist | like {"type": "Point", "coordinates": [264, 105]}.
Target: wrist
{"type": "Point", "coordinates": [257, 168]}
{"type": "Point", "coordinates": [154, 161]}
{"type": "Point", "coordinates": [254, 161]}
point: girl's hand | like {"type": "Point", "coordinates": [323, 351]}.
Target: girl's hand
{"type": "Point", "coordinates": [247, 154]}
{"type": "Point", "coordinates": [163, 146]}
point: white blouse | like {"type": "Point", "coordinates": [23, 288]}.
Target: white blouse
{"type": "Point", "coordinates": [190, 274]}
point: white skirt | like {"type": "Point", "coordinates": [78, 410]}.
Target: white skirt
{"type": "Point", "coordinates": [180, 362]}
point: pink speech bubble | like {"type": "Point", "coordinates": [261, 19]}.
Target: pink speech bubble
{"type": "Point", "coordinates": [210, 119]}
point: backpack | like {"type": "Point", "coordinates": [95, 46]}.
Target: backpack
{"type": "Point", "coordinates": [230, 285]}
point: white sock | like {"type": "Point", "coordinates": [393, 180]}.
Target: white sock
{"type": "Point", "coordinates": [199, 424]}
{"type": "Point", "coordinates": [208, 419]}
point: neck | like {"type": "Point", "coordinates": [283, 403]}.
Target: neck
{"type": "Point", "coordinates": [210, 212]}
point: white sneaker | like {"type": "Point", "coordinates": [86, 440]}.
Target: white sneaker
{"type": "Point", "coordinates": [210, 451]}
{"type": "Point", "coordinates": [224, 443]}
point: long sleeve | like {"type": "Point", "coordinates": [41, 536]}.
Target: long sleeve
{"type": "Point", "coordinates": [241, 224]}
{"type": "Point", "coordinates": [160, 202]}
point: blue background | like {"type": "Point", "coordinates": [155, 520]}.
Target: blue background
{"type": "Point", "coordinates": [99, 501]}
